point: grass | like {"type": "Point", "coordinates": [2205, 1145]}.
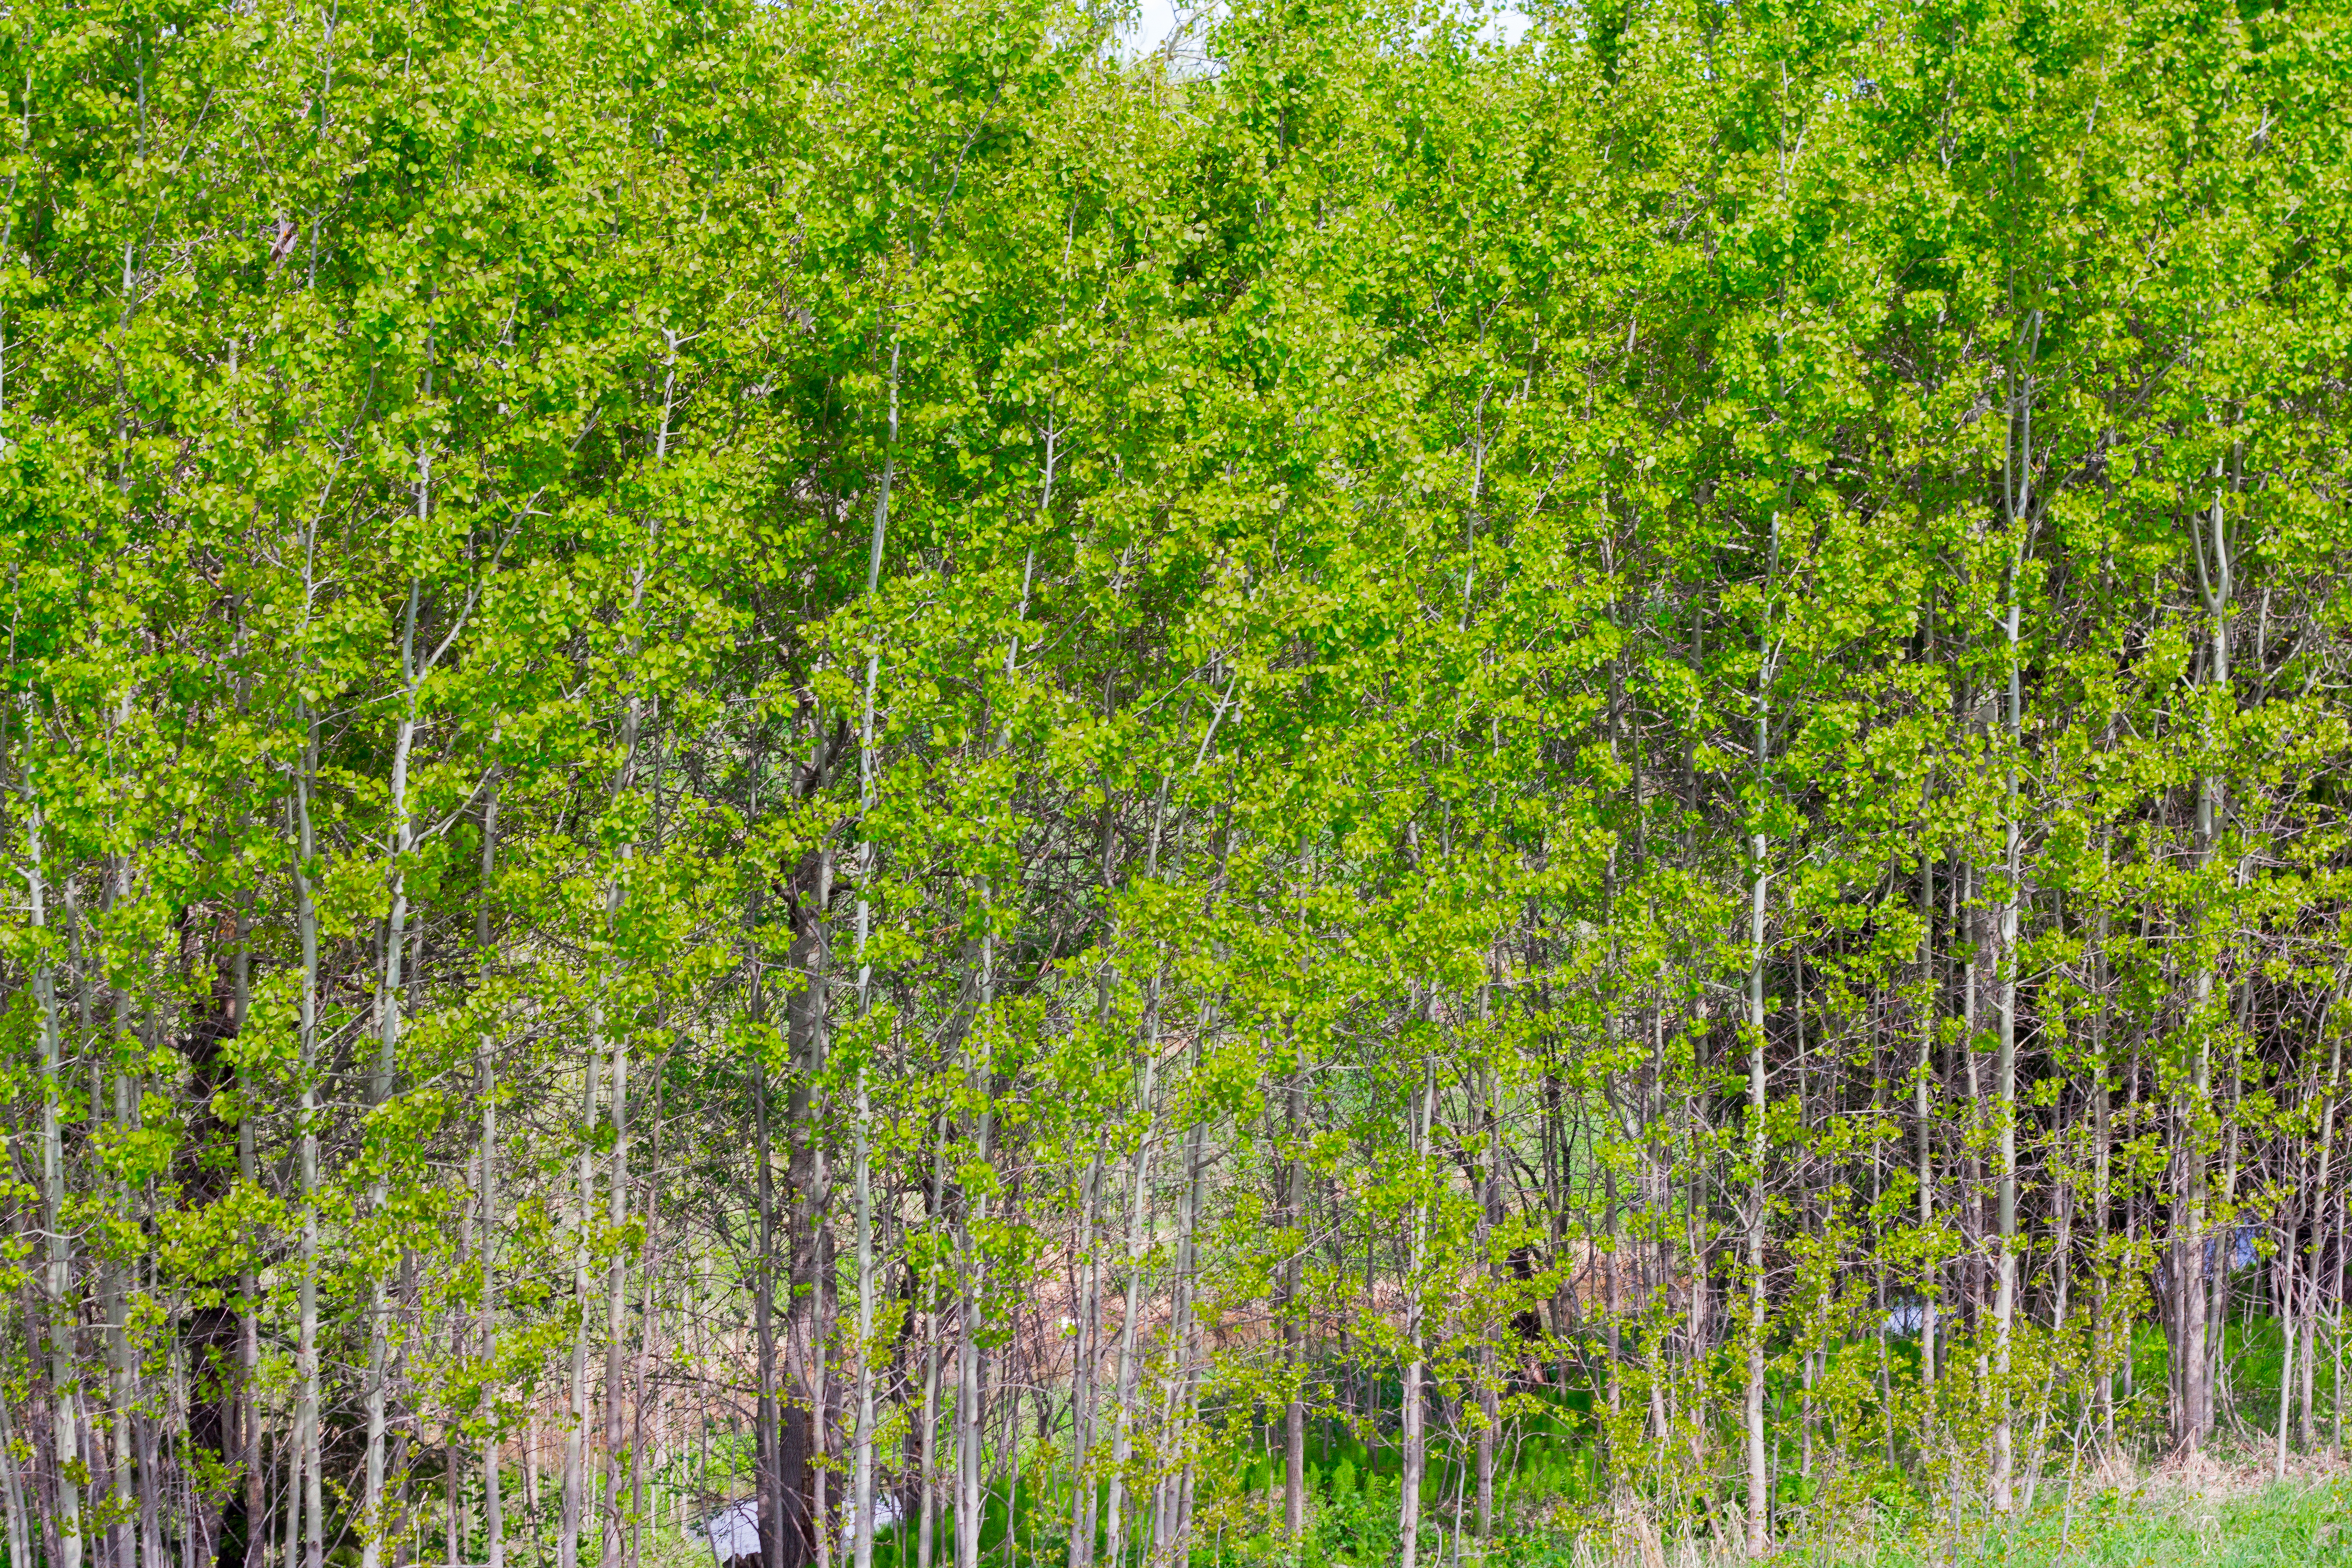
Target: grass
{"type": "Point", "coordinates": [2158, 1524]}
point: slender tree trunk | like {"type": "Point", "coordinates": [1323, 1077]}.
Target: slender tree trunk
{"type": "Point", "coordinates": [1931, 1271]}
{"type": "Point", "coordinates": [861, 1501]}
{"type": "Point", "coordinates": [616, 1429]}
{"type": "Point", "coordinates": [2131, 1217]}
{"type": "Point", "coordinates": [2102, 1193]}
{"type": "Point", "coordinates": [1083, 1352]}
{"type": "Point", "coordinates": [1978, 1303]}
{"type": "Point", "coordinates": [2017, 485]}
{"type": "Point", "coordinates": [114, 1292]}
{"type": "Point", "coordinates": [1169, 1542]}
{"type": "Point", "coordinates": [486, 1093]}
{"type": "Point", "coordinates": [1414, 1448]}
{"type": "Point", "coordinates": [617, 1282]}
{"type": "Point", "coordinates": [64, 1430]}
{"type": "Point", "coordinates": [802, 1415]}
{"type": "Point", "coordinates": [400, 842]}
{"type": "Point", "coordinates": [2335, 1340]}
{"type": "Point", "coordinates": [2004, 1458]}
{"type": "Point", "coordinates": [1759, 1496]}
{"type": "Point", "coordinates": [767, 1474]}
{"type": "Point", "coordinates": [2220, 1271]}
{"type": "Point", "coordinates": [1490, 1410]}
{"type": "Point", "coordinates": [972, 1217]}
{"type": "Point", "coordinates": [247, 1403]}
{"type": "Point", "coordinates": [927, 1453]}
{"type": "Point", "coordinates": [291, 1538]}
{"type": "Point", "coordinates": [1759, 1537]}
{"type": "Point", "coordinates": [1138, 1243]}
{"type": "Point", "coordinates": [2285, 1273]}
{"type": "Point", "coordinates": [308, 1443]}
{"type": "Point", "coordinates": [862, 1176]}
{"type": "Point", "coordinates": [580, 1413]}
{"type": "Point", "coordinates": [2195, 1367]}
{"type": "Point", "coordinates": [2312, 1254]}
{"type": "Point", "coordinates": [1294, 1221]}
{"type": "Point", "coordinates": [649, 1330]}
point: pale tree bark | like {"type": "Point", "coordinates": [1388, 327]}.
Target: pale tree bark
{"type": "Point", "coordinates": [249, 1326]}
{"type": "Point", "coordinates": [927, 1446]}
{"type": "Point", "coordinates": [2343, 1206]}
{"type": "Point", "coordinates": [971, 1218]}
{"type": "Point", "coordinates": [113, 1281]}
{"type": "Point", "coordinates": [151, 1480]}
{"type": "Point", "coordinates": [1760, 1525]}
{"type": "Point", "coordinates": [457, 1503]}
{"type": "Point", "coordinates": [1137, 1244]}
{"type": "Point", "coordinates": [400, 845]}
{"type": "Point", "coordinates": [617, 1283]}
{"type": "Point", "coordinates": [1490, 1413]}
{"type": "Point", "coordinates": [573, 1487]}
{"type": "Point", "coordinates": [1924, 1115]}
{"type": "Point", "coordinates": [486, 1094]}
{"type": "Point", "coordinates": [1293, 1219]}
{"type": "Point", "coordinates": [2101, 1183]}
{"type": "Point", "coordinates": [2017, 481]}
{"type": "Point", "coordinates": [64, 1429]}
{"type": "Point", "coordinates": [373, 1525]}
{"type": "Point", "coordinates": [649, 1325]}
{"type": "Point", "coordinates": [802, 1415]}
{"type": "Point", "coordinates": [1174, 1503]}
{"type": "Point", "coordinates": [308, 1438]}
{"type": "Point", "coordinates": [862, 1174]}
{"type": "Point", "coordinates": [1966, 914]}
{"type": "Point", "coordinates": [1086, 1349]}
{"type": "Point", "coordinates": [1415, 1448]}
{"type": "Point", "coordinates": [1759, 1496]}
{"type": "Point", "coordinates": [767, 1473]}
{"type": "Point", "coordinates": [616, 1219]}
{"type": "Point", "coordinates": [2216, 584]}
{"type": "Point", "coordinates": [795, 1413]}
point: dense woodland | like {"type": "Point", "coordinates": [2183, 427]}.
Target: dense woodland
{"type": "Point", "coordinates": [1345, 794]}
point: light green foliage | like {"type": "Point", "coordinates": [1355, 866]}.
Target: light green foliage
{"type": "Point", "coordinates": [1247, 684]}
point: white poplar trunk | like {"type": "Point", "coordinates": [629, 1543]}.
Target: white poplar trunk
{"type": "Point", "coordinates": [861, 1501]}
{"type": "Point", "coordinates": [2217, 584]}
{"type": "Point", "coordinates": [1923, 1113]}
{"type": "Point", "coordinates": [486, 1089]}
{"type": "Point", "coordinates": [617, 1283]}
{"type": "Point", "coordinates": [1122, 1444]}
{"type": "Point", "coordinates": [373, 1524]}
{"type": "Point", "coordinates": [616, 1297]}
{"type": "Point", "coordinates": [1415, 1450]}
{"type": "Point", "coordinates": [57, 1283]}
{"type": "Point", "coordinates": [308, 1441]}
{"type": "Point", "coordinates": [2017, 485]}
{"type": "Point", "coordinates": [1085, 1350]}
{"type": "Point", "coordinates": [575, 1429]}
{"type": "Point", "coordinates": [1759, 1499]}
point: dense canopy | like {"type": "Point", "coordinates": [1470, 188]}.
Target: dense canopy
{"type": "Point", "coordinates": [1347, 794]}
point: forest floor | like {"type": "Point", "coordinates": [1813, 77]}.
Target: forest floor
{"type": "Point", "coordinates": [2220, 1514]}
{"type": "Point", "coordinates": [2227, 1515]}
